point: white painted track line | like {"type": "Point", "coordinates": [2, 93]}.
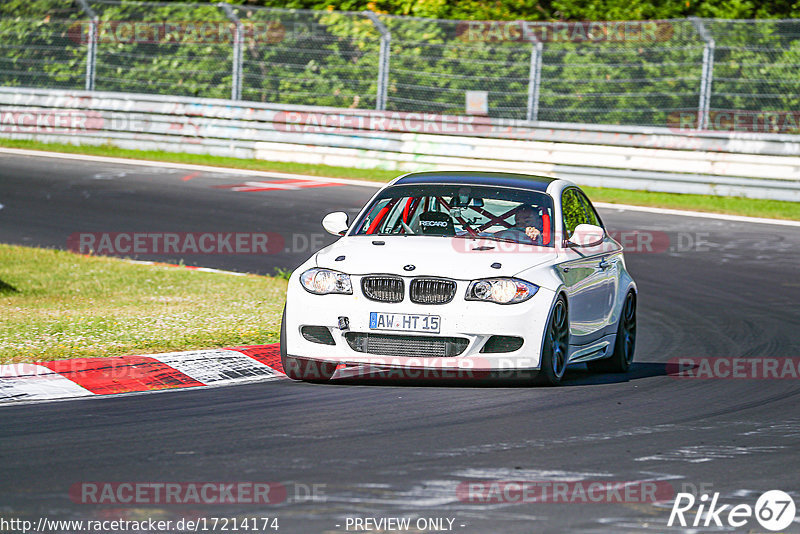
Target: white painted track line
{"type": "Point", "coordinates": [187, 166]}
{"type": "Point", "coordinates": [364, 183]}
{"type": "Point", "coordinates": [700, 214]}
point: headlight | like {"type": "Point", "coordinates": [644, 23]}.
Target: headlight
{"type": "Point", "coordinates": [501, 290]}
{"type": "Point", "coordinates": [325, 281]}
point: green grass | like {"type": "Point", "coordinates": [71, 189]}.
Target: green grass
{"type": "Point", "coordinates": [57, 305]}
{"type": "Point", "coordinates": [751, 207]}
{"type": "Point", "coordinates": [708, 203]}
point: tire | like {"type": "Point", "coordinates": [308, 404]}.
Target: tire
{"type": "Point", "coordinates": [303, 368]}
{"type": "Point", "coordinates": [288, 367]}
{"type": "Point", "coordinates": [556, 345]}
{"type": "Point", "coordinates": [625, 344]}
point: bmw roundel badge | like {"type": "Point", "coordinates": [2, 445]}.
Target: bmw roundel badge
{"type": "Point", "coordinates": [409, 267]}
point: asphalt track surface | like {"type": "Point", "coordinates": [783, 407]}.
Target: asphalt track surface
{"type": "Point", "coordinates": [398, 450]}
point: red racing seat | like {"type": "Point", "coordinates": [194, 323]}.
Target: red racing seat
{"type": "Point", "coordinates": [545, 229]}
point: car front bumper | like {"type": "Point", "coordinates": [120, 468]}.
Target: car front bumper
{"type": "Point", "coordinates": [470, 322]}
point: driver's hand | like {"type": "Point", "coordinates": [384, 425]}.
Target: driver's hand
{"type": "Point", "coordinates": [532, 232]}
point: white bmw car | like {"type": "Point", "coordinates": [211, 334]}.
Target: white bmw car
{"type": "Point", "coordinates": [462, 275]}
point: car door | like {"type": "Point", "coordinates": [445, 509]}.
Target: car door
{"type": "Point", "coordinates": [609, 262]}
{"type": "Point", "coordinates": [585, 273]}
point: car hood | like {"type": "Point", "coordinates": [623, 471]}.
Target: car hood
{"type": "Point", "coordinates": [464, 259]}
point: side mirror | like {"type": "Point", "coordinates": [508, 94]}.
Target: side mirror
{"type": "Point", "coordinates": [336, 223]}
{"type": "Point", "coordinates": [587, 235]}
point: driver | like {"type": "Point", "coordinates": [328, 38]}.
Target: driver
{"type": "Point", "coordinates": [527, 227]}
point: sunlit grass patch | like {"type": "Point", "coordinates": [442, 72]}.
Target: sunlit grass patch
{"type": "Point", "coordinates": [56, 305]}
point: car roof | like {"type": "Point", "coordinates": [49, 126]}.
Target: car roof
{"type": "Point", "coordinates": [500, 179]}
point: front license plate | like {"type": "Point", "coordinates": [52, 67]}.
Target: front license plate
{"type": "Point", "coordinates": [406, 322]}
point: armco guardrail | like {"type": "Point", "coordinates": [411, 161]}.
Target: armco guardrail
{"type": "Point", "coordinates": [657, 159]}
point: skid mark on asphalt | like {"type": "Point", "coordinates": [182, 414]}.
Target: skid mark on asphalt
{"type": "Point", "coordinates": [549, 475]}
{"type": "Point", "coordinates": [785, 429]}
{"type": "Point", "coordinates": [708, 453]}
{"type": "Point", "coordinates": [495, 447]}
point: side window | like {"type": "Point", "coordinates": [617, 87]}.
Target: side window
{"type": "Point", "coordinates": [591, 214]}
{"type": "Point", "coordinates": [572, 210]}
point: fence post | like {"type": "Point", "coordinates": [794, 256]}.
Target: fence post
{"type": "Point", "coordinates": [535, 72]}
{"type": "Point", "coordinates": [707, 75]}
{"type": "Point", "coordinates": [534, 81]}
{"type": "Point", "coordinates": [91, 52]}
{"type": "Point", "coordinates": [383, 61]}
{"type": "Point", "coordinates": [238, 37]}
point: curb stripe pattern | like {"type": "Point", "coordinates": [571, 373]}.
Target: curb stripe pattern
{"type": "Point", "coordinates": [82, 377]}
{"type": "Point", "coordinates": [121, 374]}
{"type": "Point", "coordinates": [26, 382]}
{"type": "Point", "coordinates": [210, 367]}
{"type": "Point", "coordinates": [269, 355]}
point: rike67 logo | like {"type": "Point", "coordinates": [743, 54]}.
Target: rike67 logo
{"type": "Point", "coordinates": [774, 510]}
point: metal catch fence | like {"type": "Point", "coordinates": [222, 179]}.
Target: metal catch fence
{"type": "Point", "coordinates": [708, 74]}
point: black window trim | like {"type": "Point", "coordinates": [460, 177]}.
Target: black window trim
{"type": "Point", "coordinates": [589, 203]}
{"type": "Point", "coordinates": [580, 194]}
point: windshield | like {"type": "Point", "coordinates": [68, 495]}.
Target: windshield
{"type": "Point", "coordinates": [504, 214]}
